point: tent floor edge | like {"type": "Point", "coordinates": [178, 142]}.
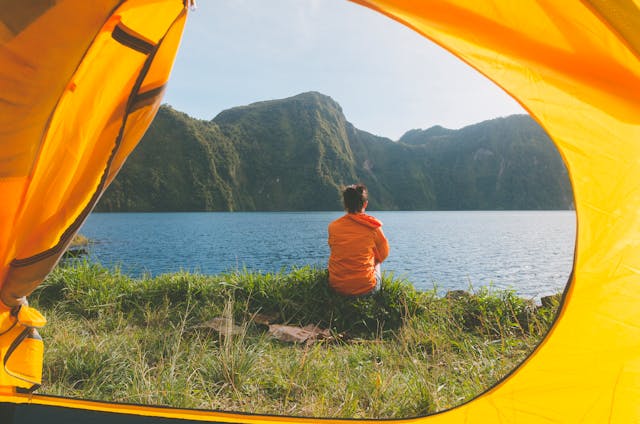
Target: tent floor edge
{"type": "Point", "coordinates": [7, 412]}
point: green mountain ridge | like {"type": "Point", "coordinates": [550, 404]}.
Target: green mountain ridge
{"type": "Point", "coordinates": [295, 154]}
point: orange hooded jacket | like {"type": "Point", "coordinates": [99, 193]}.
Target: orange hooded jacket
{"type": "Point", "coordinates": [357, 244]}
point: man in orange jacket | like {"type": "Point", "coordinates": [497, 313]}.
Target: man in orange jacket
{"type": "Point", "coordinates": [358, 246]}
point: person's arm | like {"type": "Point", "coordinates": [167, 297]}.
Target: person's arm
{"type": "Point", "coordinates": [382, 246]}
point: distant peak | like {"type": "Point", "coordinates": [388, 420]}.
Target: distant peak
{"type": "Point", "coordinates": [314, 97]}
{"type": "Point", "coordinates": [308, 99]}
{"type": "Point", "coordinates": [418, 136]}
{"type": "Point", "coordinates": [518, 118]}
{"type": "Point", "coordinates": [437, 130]}
{"type": "Point", "coordinates": [311, 95]}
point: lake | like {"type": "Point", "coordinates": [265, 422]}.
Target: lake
{"type": "Point", "coordinates": [530, 252]}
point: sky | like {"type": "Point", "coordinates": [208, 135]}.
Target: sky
{"type": "Point", "coordinates": [387, 78]}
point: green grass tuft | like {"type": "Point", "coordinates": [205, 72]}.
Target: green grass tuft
{"type": "Point", "coordinates": [398, 353]}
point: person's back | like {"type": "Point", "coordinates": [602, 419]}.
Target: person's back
{"type": "Point", "coordinates": [358, 246]}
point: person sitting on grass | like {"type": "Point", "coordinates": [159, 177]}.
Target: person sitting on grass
{"type": "Point", "coordinates": [358, 247]}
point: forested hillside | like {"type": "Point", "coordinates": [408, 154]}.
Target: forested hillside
{"type": "Point", "coordinates": [296, 153]}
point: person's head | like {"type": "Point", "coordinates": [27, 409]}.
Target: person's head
{"type": "Point", "coordinates": [355, 198]}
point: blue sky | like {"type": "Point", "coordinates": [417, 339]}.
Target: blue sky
{"type": "Point", "coordinates": [387, 78]}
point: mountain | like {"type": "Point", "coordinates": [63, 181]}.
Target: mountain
{"type": "Point", "coordinates": [296, 153]}
{"type": "Point", "coordinates": [504, 163]}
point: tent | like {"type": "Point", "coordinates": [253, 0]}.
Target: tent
{"type": "Point", "coordinates": [76, 98]}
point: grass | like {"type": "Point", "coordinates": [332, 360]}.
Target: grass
{"type": "Point", "coordinates": [79, 240]}
{"type": "Point", "coordinates": [400, 353]}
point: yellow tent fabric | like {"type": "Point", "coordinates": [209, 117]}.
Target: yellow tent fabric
{"type": "Point", "coordinates": [79, 84]}
{"type": "Point", "coordinates": [573, 64]}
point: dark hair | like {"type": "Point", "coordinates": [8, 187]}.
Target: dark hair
{"type": "Point", "coordinates": [354, 197]}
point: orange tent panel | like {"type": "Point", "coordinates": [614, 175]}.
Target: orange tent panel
{"type": "Point", "coordinates": [82, 95]}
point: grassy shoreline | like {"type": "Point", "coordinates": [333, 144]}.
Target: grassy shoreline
{"type": "Point", "coordinates": [400, 353]}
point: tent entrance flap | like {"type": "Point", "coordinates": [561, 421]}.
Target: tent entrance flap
{"type": "Point", "coordinates": [91, 88]}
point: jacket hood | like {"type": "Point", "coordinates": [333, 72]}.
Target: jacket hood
{"type": "Point", "coordinates": [364, 219]}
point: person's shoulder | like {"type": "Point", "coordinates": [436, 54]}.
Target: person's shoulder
{"type": "Point", "coordinates": [375, 219]}
{"type": "Point", "coordinates": [371, 221]}
{"type": "Point", "coordinates": [338, 220]}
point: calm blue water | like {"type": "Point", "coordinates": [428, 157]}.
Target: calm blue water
{"type": "Point", "coordinates": [530, 252]}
